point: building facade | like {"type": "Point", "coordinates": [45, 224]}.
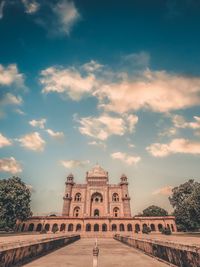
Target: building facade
{"type": "Point", "coordinates": [96, 198]}
{"type": "Point", "coordinates": [97, 208]}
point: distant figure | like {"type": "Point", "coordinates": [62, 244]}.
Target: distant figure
{"type": "Point", "coordinates": [95, 254]}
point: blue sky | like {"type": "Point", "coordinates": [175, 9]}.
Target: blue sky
{"type": "Point", "coordinates": [113, 82]}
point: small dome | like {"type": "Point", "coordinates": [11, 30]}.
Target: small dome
{"type": "Point", "coordinates": [97, 171]}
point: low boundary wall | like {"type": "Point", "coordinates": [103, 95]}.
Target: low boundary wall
{"type": "Point", "coordinates": [22, 252]}
{"type": "Point", "coordinates": [169, 252]}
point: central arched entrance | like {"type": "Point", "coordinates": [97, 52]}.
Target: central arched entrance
{"type": "Point", "coordinates": [96, 204]}
{"type": "Point", "coordinates": [96, 213]}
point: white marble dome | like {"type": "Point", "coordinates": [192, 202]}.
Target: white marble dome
{"type": "Point", "coordinates": [97, 171]}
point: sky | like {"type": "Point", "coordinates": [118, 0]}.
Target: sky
{"type": "Point", "coordinates": [110, 82]}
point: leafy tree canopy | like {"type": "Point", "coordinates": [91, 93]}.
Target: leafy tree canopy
{"type": "Point", "coordinates": [15, 199]}
{"type": "Point", "coordinates": [185, 200]}
{"type": "Point", "coordinates": [154, 211]}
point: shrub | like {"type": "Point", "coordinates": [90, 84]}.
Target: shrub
{"type": "Point", "coordinates": [166, 231]}
{"type": "Point", "coordinates": [146, 230]}
{"type": "Point", "coordinates": [7, 229]}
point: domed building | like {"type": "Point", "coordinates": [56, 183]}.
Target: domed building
{"type": "Point", "coordinates": [96, 208]}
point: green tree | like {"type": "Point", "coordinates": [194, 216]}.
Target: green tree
{"type": "Point", "coordinates": [185, 200]}
{"type": "Point", "coordinates": [15, 199]}
{"type": "Point", "coordinates": [154, 211]}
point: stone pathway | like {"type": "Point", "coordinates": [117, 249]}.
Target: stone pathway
{"type": "Point", "coordinates": [112, 253]}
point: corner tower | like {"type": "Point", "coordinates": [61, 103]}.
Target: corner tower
{"type": "Point", "coordinates": [125, 196]}
{"type": "Point", "coordinates": [68, 195]}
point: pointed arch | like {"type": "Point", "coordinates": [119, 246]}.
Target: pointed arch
{"type": "Point", "coordinates": [78, 227]}
{"type": "Point", "coordinates": [129, 227]}
{"type": "Point", "coordinates": [62, 227]}
{"type": "Point", "coordinates": [96, 213]}
{"type": "Point", "coordinates": [153, 228]}
{"type": "Point", "coordinates": [47, 227]}
{"type": "Point", "coordinates": [88, 227]}
{"type": "Point", "coordinates": [96, 228]}
{"type": "Point", "coordinates": [31, 227]}
{"type": "Point", "coordinates": [121, 227]}
{"type": "Point", "coordinates": [116, 212]}
{"type": "Point", "coordinates": [104, 227]}
{"type": "Point", "coordinates": [76, 212]}
{"type": "Point", "coordinates": [77, 197]}
{"type": "Point", "coordinates": [137, 227]}
{"type": "Point", "coordinates": [115, 197]}
{"type": "Point", "coordinates": [39, 227]}
{"type": "Point", "coordinates": [70, 227]}
{"type": "Point", "coordinates": [114, 227]}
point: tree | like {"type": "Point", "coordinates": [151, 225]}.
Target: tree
{"type": "Point", "coordinates": [15, 199]}
{"type": "Point", "coordinates": [185, 200]}
{"type": "Point", "coordinates": [154, 211]}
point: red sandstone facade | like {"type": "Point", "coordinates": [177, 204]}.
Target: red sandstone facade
{"type": "Point", "coordinates": [97, 208]}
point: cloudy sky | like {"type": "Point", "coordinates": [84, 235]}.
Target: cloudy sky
{"type": "Point", "coordinates": [113, 82]}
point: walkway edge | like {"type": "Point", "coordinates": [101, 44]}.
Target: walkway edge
{"type": "Point", "coordinates": [168, 252]}
{"type": "Point", "coordinates": [26, 252]}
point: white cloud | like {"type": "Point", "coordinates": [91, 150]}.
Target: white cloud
{"type": "Point", "coordinates": [132, 121]}
{"type": "Point", "coordinates": [38, 123]}
{"type": "Point", "coordinates": [32, 141]}
{"type": "Point", "coordinates": [2, 4]}
{"type": "Point", "coordinates": [131, 145]}
{"type": "Point", "coordinates": [10, 165]}
{"type": "Point", "coordinates": [10, 76]}
{"type": "Point", "coordinates": [19, 111]}
{"type": "Point", "coordinates": [92, 66]}
{"type": "Point", "coordinates": [180, 122]}
{"type": "Point", "coordinates": [180, 145]}
{"type": "Point", "coordinates": [10, 99]}
{"type": "Point", "coordinates": [128, 159]}
{"type": "Point", "coordinates": [158, 91]}
{"type": "Point", "coordinates": [166, 191]}
{"type": "Point", "coordinates": [67, 82]}
{"type": "Point", "coordinates": [124, 92]}
{"type": "Point", "coordinates": [66, 15]}
{"type": "Point", "coordinates": [56, 135]}
{"type": "Point", "coordinates": [31, 6]}
{"type": "Point", "coordinates": [59, 17]}
{"type": "Point", "coordinates": [104, 126]}
{"type": "Point", "coordinates": [69, 164]}
{"type": "Point", "coordinates": [168, 132]}
{"type": "Point", "coordinates": [97, 143]}
{"type": "Point", "coordinates": [4, 141]}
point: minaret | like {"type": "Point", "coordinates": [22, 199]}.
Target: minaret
{"type": "Point", "coordinates": [68, 195]}
{"type": "Point", "coordinates": [125, 196]}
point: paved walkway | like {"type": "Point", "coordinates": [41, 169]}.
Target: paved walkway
{"type": "Point", "coordinates": [112, 253]}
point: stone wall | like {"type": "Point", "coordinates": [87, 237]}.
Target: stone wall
{"type": "Point", "coordinates": [173, 253]}
{"type": "Point", "coordinates": [12, 254]}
